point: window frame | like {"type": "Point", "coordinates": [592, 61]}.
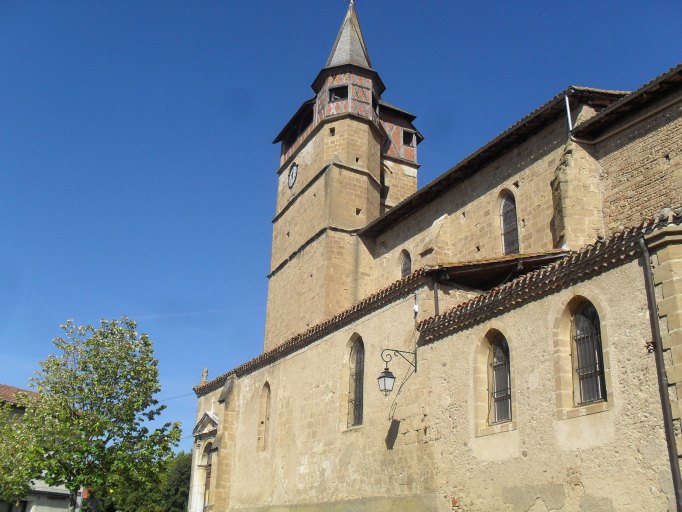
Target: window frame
{"type": "Point", "coordinates": [333, 98]}
{"type": "Point", "coordinates": [566, 390]}
{"type": "Point", "coordinates": [356, 377]}
{"type": "Point", "coordinates": [484, 423]}
{"type": "Point", "coordinates": [499, 370]}
{"type": "Point", "coordinates": [589, 383]}
{"type": "Point", "coordinates": [509, 232]}
{"type": "Point", "coordinates": [405, 263]}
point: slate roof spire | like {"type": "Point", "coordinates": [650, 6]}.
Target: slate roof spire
{"type": "Point", "coordinates": [349, 47]}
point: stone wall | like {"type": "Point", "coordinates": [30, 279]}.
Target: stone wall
{"type": "Point", "coordinates": [464, 223]}
{"type": "Point", "coordinates": [399, 180]}
{"type": "Point", "coordinates": [315, 266]}
{"type": "Point", "coordinates": [641, 165]}
{"type": "Point", "coordinates": [667, 273]}
{"type": "Point", "coordinates": [424, 446]}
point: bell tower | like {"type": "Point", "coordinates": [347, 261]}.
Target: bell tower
{"type": "Point", "coordinates": [346, 157]}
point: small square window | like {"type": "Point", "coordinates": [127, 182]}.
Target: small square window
{"type": "Point", "coordinates": [338, 93]}
{"type": "Point", "coordinates": [408, 138]}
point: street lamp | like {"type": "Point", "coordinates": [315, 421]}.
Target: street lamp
{"type": "Point", "coordinates": [386, 379]}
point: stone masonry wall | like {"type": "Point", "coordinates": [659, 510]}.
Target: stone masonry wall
{"type": "Point", "coordinates": [422, 444]}
{"type": "Point", "coordinates": [464, 223]}
{"type": "Point", "coordinates": [400, 182]}
{"type": "Point", "coordinates": [286, 313]}
{"type": "Point", "coordinates": [666, 249]}
{"type": "Point", "coordinates": [315, 273]}
{"type": "Point", "coordinates": [642, 167]}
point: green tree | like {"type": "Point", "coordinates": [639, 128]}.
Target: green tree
{"type": "Point", "coordinates": [16, 470]}
{"type": "Point", "coordinates": [175, 489]}
{"type": "Point", "coordinates": [92, 423]}
{"type": "Point", "coordinates": [168, 492]}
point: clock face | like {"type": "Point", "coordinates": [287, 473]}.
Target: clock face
{"type": "Point", "coordinates": [293, 172]}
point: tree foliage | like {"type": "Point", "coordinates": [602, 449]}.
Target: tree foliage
{"type": "Point", "coordinates": [168, 492]}
{"type": "Point", "coordinates": [91, 426]}
{"type": "Point", "coordinates": [16, 470]}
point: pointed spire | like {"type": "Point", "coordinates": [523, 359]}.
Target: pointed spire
{"type": "Point", "coordinates": [349, 47]}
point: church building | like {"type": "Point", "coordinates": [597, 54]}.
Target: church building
{"type": "Point", "coordinates": [508, 337]}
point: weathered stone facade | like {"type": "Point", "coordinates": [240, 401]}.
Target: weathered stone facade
{"type": "Point", "coordinates": [498, 405]}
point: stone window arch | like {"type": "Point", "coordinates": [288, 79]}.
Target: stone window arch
{"type": "Point", "coordinates": [493, 383]}
{"type": "Point", "coordinates": [499, 380]}
{"type": "Point", "coordinates": [207, 466]}
{"type": "Point", "coordinates": [405, 264]}
{"type": "Point", "coordinates": [509, 226]}
{"type": "Point", "coordinates": [356, 369]}
{"type": "Point", "coordinates": [263, 418]}
{"type": "Point", "coordinates": [581, 359]}
{"type": "Point", "coordinates": [587, 355]}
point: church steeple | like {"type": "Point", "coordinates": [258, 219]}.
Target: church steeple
{"type": "Point", "coordinates": [346, 157]}
{"type": "Point", "coordinates": [349, 47]}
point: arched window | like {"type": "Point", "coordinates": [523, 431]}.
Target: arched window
{"type": "Point", "coordinates": [207, 460]}
{"type": "Point", "coordinates": [499, 381]}
{"type": "Point", "coordinates": [509, 224]}
{"type": "Point", "coordinates": [405, 264]}
{"type": "Point", "coordinates": [355, 393]}
{"type": "Point", "coordinates": [264, 418]}
{"type": "Point", "coordinates": [588, 359]}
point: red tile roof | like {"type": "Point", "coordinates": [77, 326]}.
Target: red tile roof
{"type": "Point", "coordinates": [570, 269]}
{"type": "Point", "coordinates": [577, 266]}
{"type": "Point", "coordinates": [9, 394]}
{"type": "Point", "coordinates": [398, 289]}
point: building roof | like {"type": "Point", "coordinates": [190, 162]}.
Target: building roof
{"type": "Point", "coordinates": [567, 269]}
{"type": "Point", "coordinates": [486, 273]}
{"type": "Point", "coordinates": [655, 90]}
{"type": "Point", "coordinates": [517, 133]}
{"type": "Point", "coordinates": [9, 394]}
{"type": "Point", "coordinates": [307, 104]}
{"type": "Point", "coordinates": [577, 266]}
{"type": "Point", "coordinates": [396, 290]}
{"type": "Point", "coordinates": [349, 46]}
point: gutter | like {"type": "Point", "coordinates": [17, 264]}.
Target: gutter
{"type": "Point", "coordinates": [662, 377]}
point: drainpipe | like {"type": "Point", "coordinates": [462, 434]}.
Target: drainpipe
{"type": "Point", "coordinates": [662, 378]}
{"type": "Point", "coordinates": [568, 113]}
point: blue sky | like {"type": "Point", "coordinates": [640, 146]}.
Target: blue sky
{"type": "Point", "coordinates": [137, 174]}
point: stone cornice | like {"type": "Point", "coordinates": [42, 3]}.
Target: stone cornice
{"type": "Point", "coordinates": [305, 244]}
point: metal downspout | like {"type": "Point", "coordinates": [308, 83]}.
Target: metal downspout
{"type": "Point", "coordinates": [568, 113]}
{"type": "Point", "coordinates": [662, 378]}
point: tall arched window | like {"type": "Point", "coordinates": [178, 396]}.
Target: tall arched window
{"type": "Point", "coordinates": [207, 460]}
{"type": "Point", "coordinates": [499, 381]}
{"type": "Point", "coordinates": [405, 264]}
{"type": "Point", "coordinates": [356, 380]}
{"type": "Point", "coordinates": [264, 418]}
{"type": "Point", "coordinates": [509, 225]}
{"type": "Point", "coordinates": [588, 359]}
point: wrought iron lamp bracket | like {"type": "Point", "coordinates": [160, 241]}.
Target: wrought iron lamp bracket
{"type": "Point", "coordinates": [388, 353]}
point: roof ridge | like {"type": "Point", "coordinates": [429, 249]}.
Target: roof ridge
{"type": "Point", "coordinates": [556, 102]}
